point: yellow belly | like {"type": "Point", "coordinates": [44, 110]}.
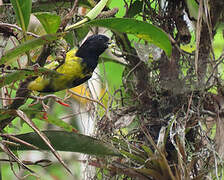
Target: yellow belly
{"type": "Point", "coordinates": [71, 69]}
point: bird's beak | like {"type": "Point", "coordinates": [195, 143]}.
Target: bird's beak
{"type": "Point", "coordinates": [111, 44]}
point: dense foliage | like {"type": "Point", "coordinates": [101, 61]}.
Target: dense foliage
{"type": "Point", "coordinates": [156, 111]}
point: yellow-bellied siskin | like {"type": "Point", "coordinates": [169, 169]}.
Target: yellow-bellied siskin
{"type": "Point", "coordinates": [76, 69]}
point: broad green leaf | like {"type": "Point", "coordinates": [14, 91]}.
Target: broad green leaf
{"type": "Point", "coordinates": [29, 45]}
{"type": "Point", "coordinates": [60, 123]}
{"type": "Point", "coordinates": [24, 73]}
{"type": "Point", "coordinates": [22, 10]}
{"type": "Point", "coordinates": [138, 28]}
{"type": "Point", "coordinates": [67, 141]}
{"type": "Point", "coordinates": [50, 22]}
{"type": "Point", "coordinates": [112, 73]}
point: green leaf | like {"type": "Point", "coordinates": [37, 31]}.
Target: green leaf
{"type": "Point", "coordinates": [90, 15]}
{"type": "Point", "coordinates": [147, 150]}
{"type": "Point", "coordinates": [138, 28]}
{"type": "Point", "coordinates": [22, 10]}
{"type": "Point", "coordinates": [81, 33]}
{"type": "Point", "coordinates": [112, 73]}
{"type": "Point", "coordinates": [133, 157]}
{"type": "Point", "coordinates": [192, 6]}
{"type": "Point", "coordinates": [24, 73]}
{"type": "Point", "coordinates": [50, 22]}
{"type": "Point", "coordinates": [29, 45]}
{"type": "Point", "coordinates": [67, 141]}
{"type": "Point", "coordinates": [60, 123]}
{"type": "Point", "coordinates": [96, 10]}
{"type": "Point", "coordinates": [70, 40]}
{"type": "Point", "coordinates": [33, 112]}
{"type": "Point", "coordinates": [5, 113]}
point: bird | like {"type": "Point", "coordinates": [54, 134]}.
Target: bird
{"type": "Point", "coordinates": [76, 69]}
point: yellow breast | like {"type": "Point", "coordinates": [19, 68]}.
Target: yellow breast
{"type": "Point", "coordinates": [71, 69]}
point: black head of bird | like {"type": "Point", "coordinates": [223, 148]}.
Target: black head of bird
{"type": "Point", "coordinates": [93, 46]}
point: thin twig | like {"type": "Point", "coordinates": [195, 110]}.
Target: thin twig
{"type": "Point", "coordinates": [87, 98]}
{"type": "Point", "coordinates": [24, 117]}
{"type": "Point", "coordinates": [73, 114]}
{"type": "Point", "coordinates": [220, 60]}
{"type": "Point", "coordinates": [107, 14]}
{"type": "Point", "coordinates": [38, 162]}
{"type": "Point", "coordinates": [15, 139]}
{"type": "Point", "coordinates": [131, 71]}
{"type": "Point", "coordinates": [69, 15]}
{"type": "Point", "coordinates": [14, 157]}
{"type": "Point", "coordinates": [41, 99]}
{"type": "Point", "coordinates": [198, 35]}
{"type": "Point", "coordinates": [18, 28]}
{"type": "Point", "coordinates": [189, 105]}
{"type": "Point", "coordinates": [173, 41]}
{"type": "Point", "coordinates": [11, 98]}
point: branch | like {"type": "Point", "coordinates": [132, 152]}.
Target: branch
{"type": "Point", "coordinates": [140, 71]}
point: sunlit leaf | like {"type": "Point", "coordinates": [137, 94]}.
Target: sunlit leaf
{"type": "Point", "coordinates": [50, 22]}
{"type": "Point", "coordinates": [97, 9]}
{"type": "Point", "coordinates": [140, 29]}
{"type": "Point", "coordinates": [22, 10]}
{"type": "Point", "coordinates": [92, 14]}
{"type": "Point", "coordinates": [67, 141]}
{"type": "Point", "coordinates": [112, 73]}
{"type": "Point", "coordinates": [29, 45]}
